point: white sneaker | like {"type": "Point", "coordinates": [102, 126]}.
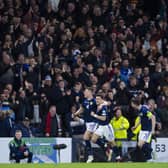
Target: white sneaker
{"type": "Point", "coordinates": [90, 159]}
{"type": "Point", "coordinates": [150, 160]}
{"type": "Point", "coordinates": [153, 155]}
{"type": "Point", "coordinates": [118, 159]}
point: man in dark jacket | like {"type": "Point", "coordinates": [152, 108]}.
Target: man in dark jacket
{"type": "Point", "coordinates": [18, 148]}
{"type": "Point", "coordinates": [6, 124]}
{"type": "Point", "coordinates": [25, 127]}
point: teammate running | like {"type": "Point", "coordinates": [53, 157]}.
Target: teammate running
{"type": "Point", "coordinates": [104, 129]}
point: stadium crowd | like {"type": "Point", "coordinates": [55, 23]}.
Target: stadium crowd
{"type": "Point", "coordinates": [51, 50]}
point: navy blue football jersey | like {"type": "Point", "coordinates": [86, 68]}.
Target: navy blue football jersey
{"type": "Point", "coordinates": [103, 112]}
{"type": "Point", "coordinates": [146, 122]}
{"type": "Point", "coordinates": [89, 106]}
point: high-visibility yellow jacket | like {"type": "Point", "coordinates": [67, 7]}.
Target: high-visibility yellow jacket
{"type": "Point", "coordinates": [137, 130]}
{"type": "Point", "coordinates": [120, 127]}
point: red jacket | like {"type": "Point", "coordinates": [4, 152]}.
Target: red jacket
{"type": "Point", "coordinates": [48, 126]}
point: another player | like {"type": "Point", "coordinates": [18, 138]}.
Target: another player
{"type": "Point", "coordinates": [88, 106]}
{"type": "Point", "coordinates": [104, 128]}
{"type": "Point", "coordinates": [147, 121]}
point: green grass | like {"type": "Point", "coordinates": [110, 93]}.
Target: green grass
{"type": "Point", "coordinates": [90, 165]}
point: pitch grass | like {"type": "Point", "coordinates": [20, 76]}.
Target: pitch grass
{"type": "Point", "coordinates": [90, 165]}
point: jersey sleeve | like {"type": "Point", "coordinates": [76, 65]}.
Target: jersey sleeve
{"type": "Point", "coordinates": [146, 111]}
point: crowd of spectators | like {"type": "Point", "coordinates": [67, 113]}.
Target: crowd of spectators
{"type": "Point", "coordinates": [50, 50]}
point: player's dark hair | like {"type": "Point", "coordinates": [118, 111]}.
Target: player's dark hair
{"type": "Point", "coordinates": [89, 88]}
{"type": "Point", "coordinates": [100, 94]}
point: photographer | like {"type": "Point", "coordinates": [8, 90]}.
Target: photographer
{"type": "Point", "coordinates": [18, 148]}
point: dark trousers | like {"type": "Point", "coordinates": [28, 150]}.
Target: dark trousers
{"type": "Point", "coordinates": [20, 156]}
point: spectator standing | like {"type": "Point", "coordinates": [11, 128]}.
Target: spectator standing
{"type": "Point", "coordinates": [24, 126]}
{"type": "Point", "coordinates": [53, 124]}
{"type": "Point", "coordinates": [6, 122]}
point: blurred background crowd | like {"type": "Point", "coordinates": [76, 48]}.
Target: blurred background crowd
{"type": "Point", "coordinates": [50, 50]}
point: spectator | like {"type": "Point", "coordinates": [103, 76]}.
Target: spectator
{"type": "Point", "coordinates": [62, 98]}
{"type": "Point", "coordinates": [6, 73]}
{"type": "Point", "coordinates": [77, 93]}
{"type": "Point", "coordinates": [46, 87]}
{"type": "Point", "coordinates": [6, 122]}
{"type": "Point", "coordinates": [163, 104]}
{"type": "Point", "coordinates": [96, 43]}
{"type": "Point", "coordinates": [24, 126]}
{"type": "Point", "coordinates": [133, 87]}
{"type": "Point", "coordinates": [53, 125]}
{"type": "Point", "coordinates": [22, 106]}
{"type": "Point", "coordinates": [110, 98]}
{"type": "Point", "coordinates": [44, 106]}
{"type": "Point", "coordinates": [122, 95]}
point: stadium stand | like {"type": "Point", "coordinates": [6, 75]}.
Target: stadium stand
{"type": "Point", "coordinates": [50, 50]}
